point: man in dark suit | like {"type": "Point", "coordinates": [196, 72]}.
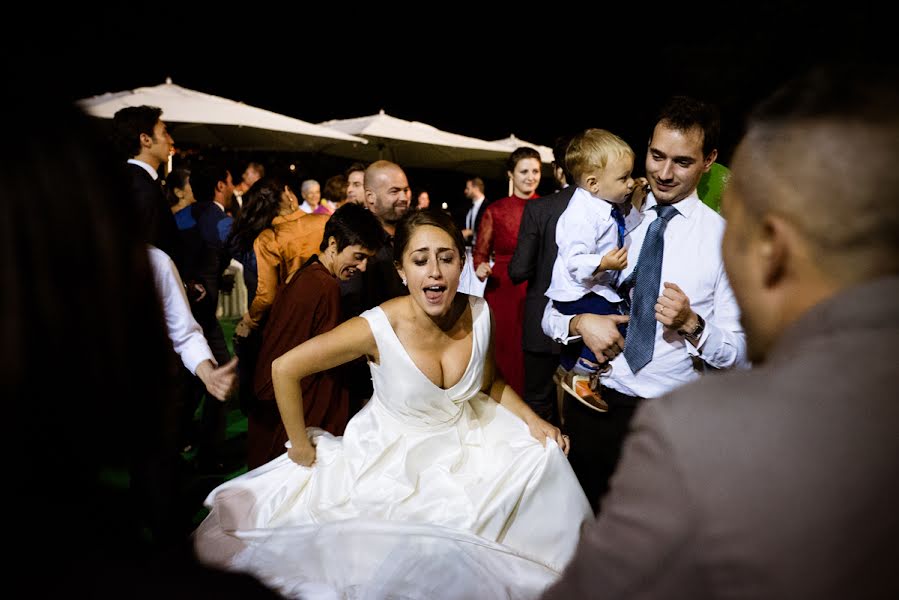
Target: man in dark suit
{"type": "Point", "coordinates": [214, 189]}
{"type": "Point", "coordinates": [141, 136]}
{"type": "Point", "coordinates": [474, 191]}
{"type": "Point", "coordinates": [533, 261]}
{"type": "Point", "coordinates": [782, 481]}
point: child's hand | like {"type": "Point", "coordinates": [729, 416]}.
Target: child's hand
{"type": "Point", "coordinates": [641, 189]}
{"type": "Point", "coordinates": [614, 260]}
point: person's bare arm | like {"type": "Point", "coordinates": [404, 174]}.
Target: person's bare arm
{"type": "Point", "coordinates": [496, 387]}
{"type": "Point", "coordinates": [349, 341]}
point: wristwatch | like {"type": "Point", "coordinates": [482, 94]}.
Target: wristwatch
{"type": "Point", "coordinates": [694, 335]}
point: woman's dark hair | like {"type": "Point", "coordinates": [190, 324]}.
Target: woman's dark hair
{"type": "Point", "coordinates": [414, 219]}
{"type": "Point", "coordinates": [683, 113]}
{"type": "Point", "coordinates": [351, 225]}
{"type": "Point", "coordinates": [520, 154]}
{"type": "Point", "coordinates": [261, 205]}
{"type": "Point", "coordinates": [177, 179]}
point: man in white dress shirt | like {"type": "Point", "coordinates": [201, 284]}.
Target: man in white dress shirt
{"type": "Point", "coordinates": [698, 324]}
{"type": "Point", "coordinates": [184, 331]}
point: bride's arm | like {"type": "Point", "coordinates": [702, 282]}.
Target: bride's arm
{"type": "Point", "coordinates": [496, 387]}
{"type": "Point", "coordinates": [340, 345]}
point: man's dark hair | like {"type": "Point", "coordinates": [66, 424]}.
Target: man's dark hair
{"type": "Point", "coordinates": [560, 148]}
{"type": "Point", "coordinates": [356, 166]}
{"type": "Point", "coordinates": [684, 113]}
{"type": "Point", "coordinates": [128, 123]}
{"type": "Point", "coordinates": [203, 180]}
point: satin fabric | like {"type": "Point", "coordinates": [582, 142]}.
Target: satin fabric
{"type": "Point", "coordinates": [422, 473]}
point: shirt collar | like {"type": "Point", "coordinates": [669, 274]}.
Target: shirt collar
{"type": "Point", "coordinates": [605, 207]}
{"type": "Point", "coordinates": [153, 172]}
{"type": "Point", "coordinates": [686, 207]}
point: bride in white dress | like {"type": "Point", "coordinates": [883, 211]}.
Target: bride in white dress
{"type": "Point", "coordinates": [445, 485]}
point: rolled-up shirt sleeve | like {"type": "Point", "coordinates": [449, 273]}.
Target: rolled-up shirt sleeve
{"type": "Point", "coordinates": [183, 330]}
{"type": "Point", "coordinates": [723, 343]}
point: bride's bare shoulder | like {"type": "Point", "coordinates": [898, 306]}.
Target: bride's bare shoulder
{"type": "Point", "coordinates": [396, 309]}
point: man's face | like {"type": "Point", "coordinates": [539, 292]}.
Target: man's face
{"type": "Point", "coordinates": [355, 191]}
{"type": "Point", "coordinates": [388, 198]}
{"type": "Point", "coordinates": [674, 162]}
{"type": "Point", "coordinates": [226, 189]}
{"type": "Point", "coordinates": [250, 176]}
{"type": "Point", "coordinates": [161, 144]}
{"type": "Point", "coordinates": [471, 192]}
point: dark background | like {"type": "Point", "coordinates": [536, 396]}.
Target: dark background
{"type": "Point", "coordinates": [534, 72]}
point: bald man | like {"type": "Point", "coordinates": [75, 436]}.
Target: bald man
{"type": "Point", "coordinates": [387, 195]}
{"type": "Point", "coordinates": [783, 481]}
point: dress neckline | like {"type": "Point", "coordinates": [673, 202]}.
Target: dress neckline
{"type": "Point", "coordinates": [418, 369]}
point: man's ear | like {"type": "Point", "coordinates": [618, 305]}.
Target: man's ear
{"type": "Point", "coordinates": [708, 160]}
{"type": "Point", "coordinates": [776, 249]}
{"type": "Point", "coordinates": [145, 140]}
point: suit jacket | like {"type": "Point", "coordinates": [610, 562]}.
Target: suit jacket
{"type": "Point", "coordinates": [533, 262]}
{"type": "Point", "coordinates": [380, 281]}
{"type": "Point", "coordinates": [477, 218]}
{"type": "Point", "coordinates": [779, 482]}
{"type": "Point", "coordinates": [155, 220]}
{"type": "Point", "coordinates": [214, 258]}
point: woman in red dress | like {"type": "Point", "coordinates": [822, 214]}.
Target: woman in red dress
{"type": "Point", "coordinates": [498, 234]}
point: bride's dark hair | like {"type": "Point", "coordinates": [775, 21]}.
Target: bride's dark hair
{"type": "Point", "coordinates": [414, 219]}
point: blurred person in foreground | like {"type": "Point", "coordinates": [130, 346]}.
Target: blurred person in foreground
{"type": "Point", "coordinates": [87, 369]}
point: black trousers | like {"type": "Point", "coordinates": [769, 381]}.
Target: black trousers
{"type": "Point", "coordinates": [539, 389]}
{"type": "Point", "coordinates": [596, 440]}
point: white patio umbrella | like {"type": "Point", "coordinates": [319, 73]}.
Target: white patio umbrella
{"type": "Point", "coordinates": [415, 144]}
{"type": "Point", "coordinates": [512, 143]}
{"type": "Point", "coordinates": [199, 119]}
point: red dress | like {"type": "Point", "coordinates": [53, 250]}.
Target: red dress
{"type": "Point", "coordinates": [498, 233]}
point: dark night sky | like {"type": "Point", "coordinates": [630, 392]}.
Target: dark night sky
{"type": "Point", "coordinates": [462, 73]}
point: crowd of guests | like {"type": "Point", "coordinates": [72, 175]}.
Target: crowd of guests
{"type": "Point", "coordinates": [613, 309]}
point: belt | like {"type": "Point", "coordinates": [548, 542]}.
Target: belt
{"type": "Point", "coordinates": [616, 398]}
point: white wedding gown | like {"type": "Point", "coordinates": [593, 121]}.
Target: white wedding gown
{"type": "Point", "coordinates": [430, 493]}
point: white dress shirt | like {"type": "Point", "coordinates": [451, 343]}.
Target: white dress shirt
{"type": "Point", "coordinates": [153, 172]}
{"type": "Point", "coordinates": [184, 331]}
{"type": "Point", "coordinates": [692, 260]}
{"type": "Point", "coordinates": [586, 232]}
{"type": "Point", "coordinates": [471, 217]}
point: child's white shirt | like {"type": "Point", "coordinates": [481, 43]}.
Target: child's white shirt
{"type": "Point", "coordinates": [586, 232]}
